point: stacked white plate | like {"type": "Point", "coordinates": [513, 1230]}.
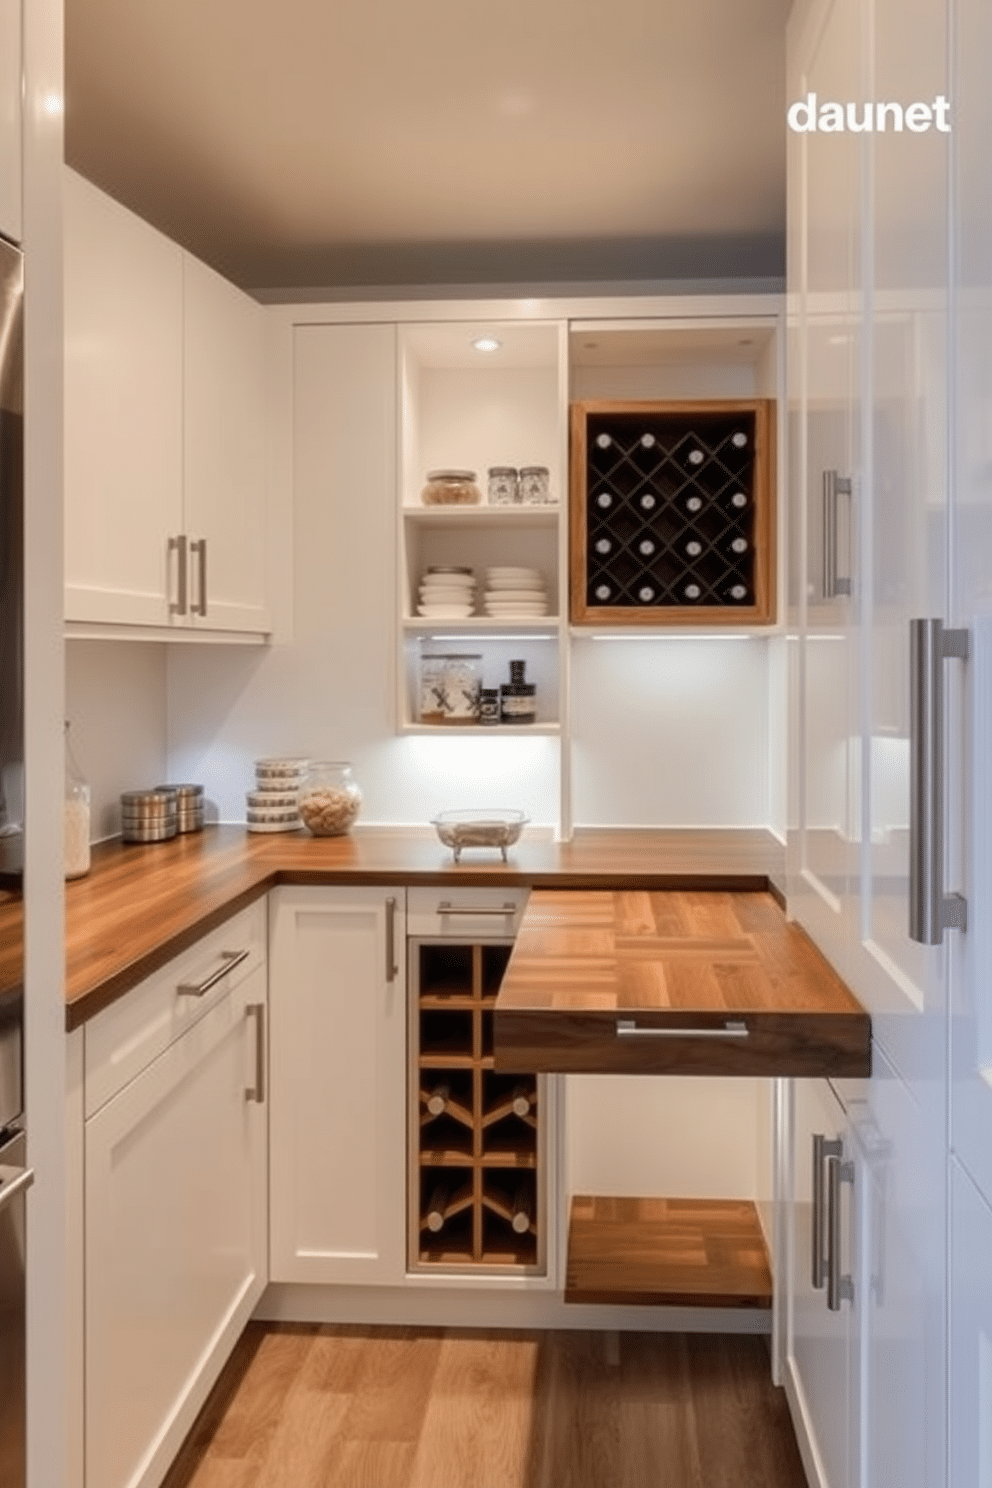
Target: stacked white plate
{"type": "Point", "coordinates": [447, 594]}
{"type": "Point", "coordinates": [515, 594]}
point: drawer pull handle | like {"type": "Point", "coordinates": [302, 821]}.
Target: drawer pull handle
{"type": "Point", "coordinates": [12, 1182]}
{"type": "Point", "coordinates": [840, 1288]}
{"type": "Point", "coordinates": [627, 1028]}
{"type": "Point", "coordinates": [446, 908]}
{"type": "Point", "coordinates": [180, 605]}
{"type": "Point", "coordinates": [231, 959]}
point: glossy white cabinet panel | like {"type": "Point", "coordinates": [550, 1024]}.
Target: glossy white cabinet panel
{"type": "Point", "coordinates": [10, 120]}
{"type": "Point", "coordinates": [830, 243]}
{"type": "Point", "coordinates": [971, 1336]}
{"type": "Point", "coordinates": [123, 411]}
{"type": "Point", "coordinates": [971, 567]}
{"type": "Point", "coordinates": [224, 450]}
{"type": "Point", "coordinates": [175, 1235]}
{"type": "Point", "coordinates": [823, 1372]}
{"type": "Point", "coordinates": [901, 1289]}
{"type": "Point", "coordinates": [338, 1059]}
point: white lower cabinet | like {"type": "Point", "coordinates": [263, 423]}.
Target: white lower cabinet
{"type": "Point", "coordinates": [338, 1051]}
{"type": "Point", "coordinates": [174, 1204]}
{"type": "Point", "coordinates": [971, 1334]}
{"type": "Point", "coordinates": [822, 1358]}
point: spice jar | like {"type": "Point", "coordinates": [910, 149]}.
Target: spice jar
{"type": "Point", "coordinates": [489, 706]}
{"type": "Point", "coordinates": [535, 485]}
{"type": "Point", "coordinates": [462, 687]}
{"type": "Point", "coordinates": [503, 489]}
{"type": "Point", "coordinates": [451, 488]}
{"type": "Point", "coordinates": [76, 816]}
{"type": "Point", "coordinates": [518, 698]}
{"type": "Point", "coordinates": [330, 799]}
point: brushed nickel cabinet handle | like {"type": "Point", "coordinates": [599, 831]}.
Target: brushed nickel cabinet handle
{"type": "Point", "coordinates": [822, 1150]}
{"type": "Point", "coordinates": [931, 911]}
{"type": "Point", "coordinates": [180, 605]}
{"type": "Point", "coordinates": [840, 1288]}
{"type": "Point", "coordinates": [446, 908]}
{"type": "Point", "coordinates": [231, 959]}
{"type": "Point", "coordinates": [199, 547]}
{"type": "Point", "coordinates": [628, 1028]}
{"type": "Point", "coordinates": [14, 1181]}
{"type": "Point", "coordinates": [834, 486]}
{"type": "Point", "coordinates": [256, 1092]}
{"type": "Point", "coordinates": [391, 966]}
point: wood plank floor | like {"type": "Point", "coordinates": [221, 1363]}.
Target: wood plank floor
{"type": "Point", "coordinates": [349, 1407]}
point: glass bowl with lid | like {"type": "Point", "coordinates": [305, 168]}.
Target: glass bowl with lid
{"type": "Point", "coordinates": [451, 488]}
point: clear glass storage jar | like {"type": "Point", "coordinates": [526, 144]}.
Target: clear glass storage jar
{"type": "Point", "coordinates": [451, 488]}
{"type": "Point", "coordinates": [330, 798]}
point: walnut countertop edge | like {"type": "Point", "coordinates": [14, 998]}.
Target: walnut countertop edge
{"type": "Point", "coordinates": [142, 905]}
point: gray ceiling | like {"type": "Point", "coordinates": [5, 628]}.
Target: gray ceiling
{"type": "Point", "coordinates": [306, 143]}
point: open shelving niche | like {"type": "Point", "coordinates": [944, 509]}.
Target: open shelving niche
{"type": "Point", "coordinates": [462, 408]}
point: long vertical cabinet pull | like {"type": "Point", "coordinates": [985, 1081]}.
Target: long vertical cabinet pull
{"type": "Point", "coordinates": [180, 605]}
{"type": "Point", "coordinates": [834, 486]}
{"type": "Point", "coordinates": [391, 966]}
{"type": "Point", "coordinates": [819, 1245]}
{"type": "Point", "coordinates": [199, 547]}
{"type": "Point", "coordinates": [256, 1092]}
{"type": "Point", "coordinates": [840, 1287]}
{"type": "Point", "coordinates": [931, 911]}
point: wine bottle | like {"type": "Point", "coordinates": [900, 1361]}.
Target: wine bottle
{"type": "Point", "coordinates": [436, 1100]}
{"type": "Point", "coordinates": [436, 1211]}
{"type": "Point", "coordinates": [522, 1210]}
{"type": "Point", "coordinates": [522, 1099]}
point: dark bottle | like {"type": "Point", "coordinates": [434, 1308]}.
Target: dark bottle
{"type": "Point", "coordinates": [517, 697]}
{"type": "Point", "coordinates": [489, 706]}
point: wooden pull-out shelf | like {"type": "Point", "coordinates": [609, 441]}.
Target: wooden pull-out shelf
{"type": "Point", "coordinates": [689, 983]}
{"type": "Point", "coordinates": [667, 1252]}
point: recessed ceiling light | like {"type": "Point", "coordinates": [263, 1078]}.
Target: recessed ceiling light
{"type": "Point", "coordinates": [486, 343]}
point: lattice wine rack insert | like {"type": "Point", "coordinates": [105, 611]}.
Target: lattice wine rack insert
{"type": "Point", "coordinates": [475, 1199]}
{"type": "Point", "coordinates": [672, 513]}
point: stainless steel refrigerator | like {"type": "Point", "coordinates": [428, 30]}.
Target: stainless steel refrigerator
{"type": "Point", "coordinates": [15, 1178]}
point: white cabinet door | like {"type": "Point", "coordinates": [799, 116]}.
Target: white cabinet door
{"type": "Point", "coordinates": [900, 1293]}
{"type": "Point", "coordinates": [822, 1364]}
{"type": "Point", "coordinates": [123, 411]}
{"type": "Point", "coordinates": [175, 1236]}
{"type": "Point", "coordinates": [970, 1391]}
{"type": "Point", "coordinates": [338, 1051]}
{"type": "Point", "coordinates": [971, 567]}
{"type": "Point", "coordinates": [821, 894]}
{"type": "Point", "coordinates": [10, 120]}
{"type": "Point", "coordinates": [224, 486]}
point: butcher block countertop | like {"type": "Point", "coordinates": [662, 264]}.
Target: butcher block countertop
{"type": "Point", "coordinates": [142, 905]}
{"type": "Point", "coordinates": [688, 982]}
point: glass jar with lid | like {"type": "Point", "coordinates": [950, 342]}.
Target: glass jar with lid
{"type": "Point", "coordinates": [451, 488]}
{"type": "Point", "coordinates": [330, 798]}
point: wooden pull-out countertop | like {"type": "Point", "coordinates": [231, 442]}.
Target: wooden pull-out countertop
{"type": "Point", "coordinates": [669, 982]}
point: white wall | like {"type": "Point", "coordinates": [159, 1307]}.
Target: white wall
{"type": "Point", "coordinates": [115, 700]}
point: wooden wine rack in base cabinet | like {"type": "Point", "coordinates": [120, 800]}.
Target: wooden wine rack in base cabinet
{"type": "Point", "coordinates": [477, 1138]}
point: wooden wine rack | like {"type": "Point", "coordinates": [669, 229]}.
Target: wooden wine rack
{"type": "Point", "coordinates": [475, 1172]}
{"type": "Point", "coordinates": [672, 513]}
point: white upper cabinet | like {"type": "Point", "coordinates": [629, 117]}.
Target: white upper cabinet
{"type": "Point", "coordinates": [165, 416]}
{"type": "Point", "coordinates": [224, 450]}
{"type": "Point", "coordinates": [123, 411]}
{"type": "Point", "coordinates": [10, 120]}
{"type": "Point", "coordinates": [827, 488]}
